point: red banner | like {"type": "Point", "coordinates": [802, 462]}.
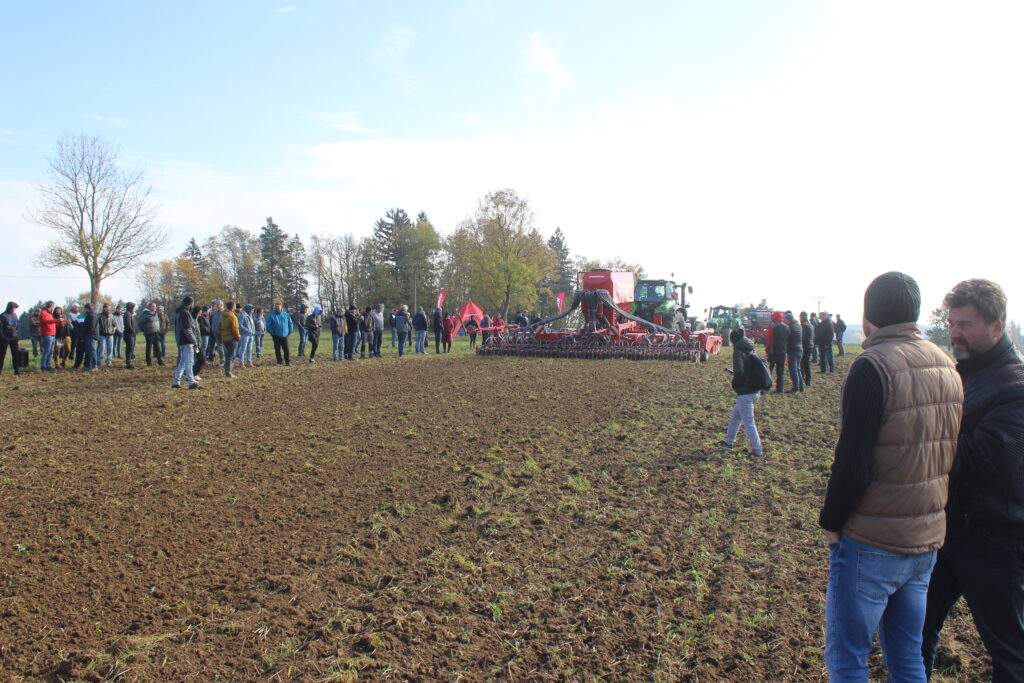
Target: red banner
{"type": "Point", "coordinates": [561, 301]}
{"type": "Point", "coordinates": [441, 297]}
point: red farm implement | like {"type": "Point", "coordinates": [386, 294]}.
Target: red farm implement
{"type": "Point", "coordinates": [614, 325]}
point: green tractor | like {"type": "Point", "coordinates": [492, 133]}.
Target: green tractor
{"type": "Point", "coordinates": [657, 301]}
{"type": "Point", "coordinates": [722, 319]}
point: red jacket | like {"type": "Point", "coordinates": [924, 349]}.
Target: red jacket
{"type": "Point", "coordinates": [47, 324]}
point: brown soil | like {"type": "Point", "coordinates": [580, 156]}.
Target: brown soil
{"type": "Point", "coordinates": [424, 519]}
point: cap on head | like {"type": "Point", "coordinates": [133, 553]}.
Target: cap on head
{"type": "Point", "coordinates": [187, 301]}
{"type": "Point", "coordinates": [892, 298]}
{"type": "Point", "coordinates": [777, 317]}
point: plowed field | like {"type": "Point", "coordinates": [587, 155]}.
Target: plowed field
{"type": "Point", "coordinates": [433, 518]}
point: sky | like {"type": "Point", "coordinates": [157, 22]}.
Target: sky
{"type": "Point", "coordinates": [784, 150]}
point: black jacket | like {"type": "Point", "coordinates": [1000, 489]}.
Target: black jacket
{"type": "Point", "coordinates": [807, 335]}
{"type": "Point", "coordinates": [436, 323]}
{"type": "Point", "coordinates": [351, 322]}
{"type": "Point", "coordinates": [780, 342]}
{"type": "Point", "coordinates": [986, 486]}
{"type": "Point", "coordinates": [130, 329]}
{"type": "Point", "coordinates": [742, 366]}
{"type": "Point", "coordinates": [184, 332]}
{"type": "Point", "coordinates": [203, 321]}
{"type": "Point", "coordinates": [90, 327]}
{"type": "Point", "coordinates": [824, 334]}
{"type": "Point", "coordinates": [795, 342]}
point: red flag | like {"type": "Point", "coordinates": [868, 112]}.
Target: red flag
{"type": "Point", "coordinates": [561, 301]}
{"type": "Point", "coordinates": [441, 297]}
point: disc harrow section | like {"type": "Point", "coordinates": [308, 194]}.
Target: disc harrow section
{"type": "Point", "coordinates": [528, 346]}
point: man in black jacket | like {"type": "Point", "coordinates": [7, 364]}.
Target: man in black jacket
{"type": "Point", "coordinates": [129, 334]}
{"type": "Point", "coordinates": [983, 556]}
{"type": "Point", "coordinates": [351, 328]}
{"type": "Point", "coordinates": [807, 337]}
{"type": "Point", "coordinates": [794, 353]}
{"type": "Point", "coordinates": [779, 348]}
{"type": "Point", "coordinates": [824, 335]}
{"type": "Point", "coordinates": [840, 327]}
{"type": "Point", "coordinates": [437, 327]}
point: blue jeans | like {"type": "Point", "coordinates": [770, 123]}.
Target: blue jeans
{"type": "Point", "coordinates": [117, 345]}
{"type": "Point", "coordinates": [303, 335]}
{"type": "Point", "coordinates": [184, 366]}
{"type": "Point", "coordinates": [795, 375]}
{"type": "Point", "coordinates": [825, 353]}
{"type": "Point", "coordinates": [743, 412]}
{"type": "Point", "coordinates": [421, 341]}
{"type": "Point", "coordinates": [257, 343]}
{"type": "Point", "coordinates": [245, 349]}
{"type": "Point", "coordinates": [337, 346]}
{"type": "Point", "coordinates": [394, 333]}
{"type": "Point", "coordinates": [873, 590]}
{"type": "Point", "coordinates": [105, 350]}
{"type": "Point", "coordinates": [46, 352]}
{"type": "Point", "coordinates": [403, 337]}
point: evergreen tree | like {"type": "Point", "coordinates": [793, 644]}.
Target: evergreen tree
{"type": "Point", "coordinates": [274, 252]}
{"type": "Point", "coordinates": [293, 274]}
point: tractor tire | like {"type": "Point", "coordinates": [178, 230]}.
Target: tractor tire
{"type": "Point", "coordinates": [703, 356]}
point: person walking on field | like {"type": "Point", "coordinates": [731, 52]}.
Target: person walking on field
{"type": "Point", "coordinates": [299, 319]}
{"type": "Point", "coordinates": [839, 326]}
{"type": "Point", "coordinates": [378, 329]}
{"type": "Point", "coordinates": [747, 392]}
{"type": "Point", "coordinates": [337, 324]}
{"type": "Point", "coordinates": [259, 325]}
{"type": "Point", "coordinates": [9, 336]}
{"type": "Point", "coordinates": [188, 344]}
{"type": "Point", "coordinates": [365, 333]}
{"type": "Point", "coordinates": [149, 323]}
{"type": "Point", "coordinates": [437, 327]}
{"type": "Point", "coordinates": [351, 329]}
{"type": "Point", "coordinates": [883, 515]}
{"type": "Point", "coordinates": [247, 330]}
{"type": "Point", "coordinates": [778, 347]}
{"type": "Point", "coordinates": [108, 329]}
{"type": "Point", "coordinates": [447, 332]}
{"type": "Point", "coordinates": [313, 324]}
{"type": "Point", "coordinates": [91, 335]}
{"type": "Point", "coordinates": [130, 330]}
{"type": "Point", "coordinates": [420, 324]}
{"type": "Point", "coordinates": [983, 556]}
{"type": "Point", "coordinates": [165, 327]}
{"type": "Point", "coordinates": [807, 338]}
{"type": "Point", "coordinates": [230, 336]}
{"type": "Point", "coordinates": [795, 353]}
{"type": "Point", "coordinates": [279, 326]}
{"type": "Point", "coordinates": [824, 335]}
{"type": "Point", "coordinates": [62, 346]}
{"type": "Point", "coordinates": [403, 325]}
{"type": "Point", "coordinates": [119, 332]}
{"type": "Point", "coordinates": [47, 336]}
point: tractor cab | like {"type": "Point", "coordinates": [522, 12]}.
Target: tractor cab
{"type": "Point", "coordinates": [659, 302]}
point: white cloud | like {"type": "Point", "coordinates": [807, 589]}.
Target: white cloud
{"type": "Point", "coordinates": [286, 8]}
{"type": "Point", "coordinates": [347, 121]}
{"type": "Point", "coordinates": [541, 57]}
{"type": "Point", "coordinates": [392, 52]}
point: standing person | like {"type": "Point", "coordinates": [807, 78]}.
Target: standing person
{"type": "Point", "coordinates": [188, 344]}
{"type": "Point", "coordinates": [839, 326]}
{"type": "Point", "coordinates": [165, 327]}
{"type": "Point", "coordinates": [70, 321]}
{"type": "Point", "coordinates": [778, 347]}
{"type": "Point", "coordinates": [204, 330]}
{"type": "Point", "coordinates": [149, 324]}
{"type": "Point", "coordinates": [78, 338]}
{"type": "Point", "coordinates": [128, 332]}
{"type": "Point", "coordinates": [437, 327]}
{"type": "Point", "coordinates": [119, 331]}
{"type": "Point", "coordinates": [214, 348]}
{"type": "Point", "coordinates": [108, 328]}
{"type": "Point", "coordinates": [795, 353]}
{"type": "Point", "coordinates": [199, 356]}
{"type": "Point", "coordinates": [279, 326]}
{"type": "Point", "coordinates": [62, 340]}
{"type": "Point", "coordinates": [523, 322]}
{"type": "Point", "coordinates": [351, 330]}
{"type": "Point", "coordinates": [378, 329]}
{"type": "Point", "coordinates": [420, 324]}
{"type": "Point", "coordinates": [814, 346]}
{"type": "Point", "coordinates": [33, 329]}
{"type": "Point", "coordinates": [299, 318]}
{"type": "Point", "coordinates": [259, 324]}
{"type": "Point", "coordinates": [313, 324]}
{"type": "Point", "coordinates": [403, 324]}
{"type": "Point", "coordinates": [485, 323]}
{"type": "Point", "coordinates": [247, 330]}
{"type": "Point", "coordinates": [983, 557]}
{"type": "Point", "coordinates": [744, 371]}
{"type": "Point", "coordinates": [883, 514]}
{"type": "Point", "coordinates": [91, 335]}
{"type": "Point", "coordinates": [807, 337]}
{"type": "Point", "coordinates": [366, 332]}
{"type": "Point", "coordinates": [823, 338]}
{"type": "Point", "coordinates": [47, 336]}
{"type": "Point", "coordinates": [229, 336]}
{"type": "Point", "coordinates": [447, 332]}
{"type": "Point", "coordinates": [336, 323]}
{"type": "Point", "coordinates": [471, 329]}
{"type": "Point", "coordinates": [9, 336]}
{"type": "Point", "coordinates": [393, 324]}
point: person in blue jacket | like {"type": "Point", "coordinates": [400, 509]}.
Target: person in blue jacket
{"type": "Point", "coordinates": [280, 325]}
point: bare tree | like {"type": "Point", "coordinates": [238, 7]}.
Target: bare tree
{"type": "Point", "coordinates": [102, 213]}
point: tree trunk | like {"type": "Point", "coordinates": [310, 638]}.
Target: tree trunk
{"type": "Point", "coordinates": [94, 291]}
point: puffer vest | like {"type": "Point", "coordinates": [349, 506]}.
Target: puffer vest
{"type": "Point", "coordinates": [903, 509]}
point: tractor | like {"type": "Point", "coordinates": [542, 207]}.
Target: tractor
{"type": "Point", "coordinates": [612, 328]}
{"type": "Point", "coordinates": [757, 324]}
{"type": "Point", "coordinates": [723, 319]}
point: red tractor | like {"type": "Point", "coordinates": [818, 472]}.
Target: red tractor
{"type": "Point", "coordinates": [757, 323]}
{"type": "Point", "coordinates": [610, 330]}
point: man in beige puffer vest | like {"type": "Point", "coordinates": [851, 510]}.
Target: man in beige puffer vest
{"type": "Point", "coordinates": [883, 513]}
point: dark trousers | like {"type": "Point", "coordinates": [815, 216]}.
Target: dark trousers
{"type": "Point", "coordinates": [350, 345]}
{"type": "Point", "coordinates": [805, 367]}
{"type": "Point", "coordinates": [153, 348]}
{"type": "Point", "coordinates": [989, 572]}
{"type": "Point", "coordinates": [129, 349]}
{"type": "Point", "coordinates": [230, 345]}
{"type": "Point", "coordinates": [403, 337]}
{"type": "Point", "coordinates": [11, 344]}
{"type": "Point", "coordinates": [840, 349]}
{"type": "Point", "coordinates": [163, 344]}
{"type": "Point", "coordinates": [314, 341]}
{"type": "Point", "coordinates": [779, 366]}
{"type": "Point", "coordinates": [36, 344]}
{"type": "Point", "coordinates": [437, 342]}
{"type": "Point", "coordinates": [365, 342]}
{"type": "Point", "coordinates": [281, 349]}
{"type": "Point", "coordinates": [795, 371]}
{"type": "Point", "coordinates": [303, 336]}
{"type": "Point", "coordinates": [80, 349]}
{"type": "Point", "coordinates": [825, 355]}
{"type": "Point", "coordinates": [378, 338]}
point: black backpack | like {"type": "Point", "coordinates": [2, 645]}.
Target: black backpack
{"type": "Point", "coordinates": [759, 376]}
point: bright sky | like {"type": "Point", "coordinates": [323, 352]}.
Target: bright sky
{"type": "Point", "coordinates": [788, 150]}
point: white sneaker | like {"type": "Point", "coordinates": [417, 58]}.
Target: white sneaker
{"type": "Point", "coordinates": [197, 378]}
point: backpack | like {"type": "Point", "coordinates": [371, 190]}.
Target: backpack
{"type": "Point", "coordinates": [759, 376]}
